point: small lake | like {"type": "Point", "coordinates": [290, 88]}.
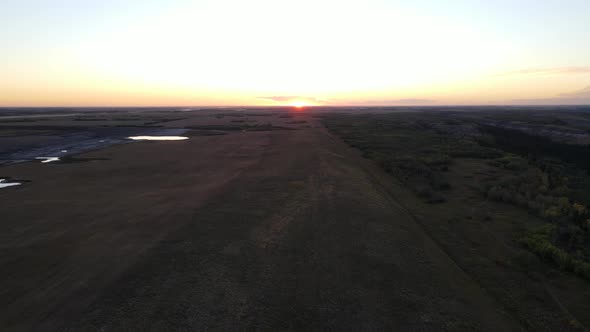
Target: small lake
{"type": "Point", "coordinates": [47, 159]}
{"type": "Point", "coordinates": [72, 142]}
{"type": "Point", "coordinates": [4, 184]}
{"type": "Point", "coordinates": [157, 138]}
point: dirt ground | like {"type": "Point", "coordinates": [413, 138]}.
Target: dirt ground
{"type": "Point", "coordinates": [251, 230]}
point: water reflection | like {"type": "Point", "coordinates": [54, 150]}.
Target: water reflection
{"type": "Point", "coordinates": [4, 184]}
{"type": "Point", "coordinates": [157, 138]}
{"type": "Point", "coordinates": [47, 159]}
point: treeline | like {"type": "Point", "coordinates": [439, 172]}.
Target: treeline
{"type": "Point", "coordinates": [541, 184]}
{"type": "Point", "coordinates": [521, 143]}
{"type": "Point", "coordinates": [419, 149]}
{"type": "Point", "coordinates": [406, 149]}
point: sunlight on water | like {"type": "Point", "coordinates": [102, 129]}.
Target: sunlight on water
{"type": "Point", "coordinates": [158, 138]}
{"type": "Point", "coordinates": [47, 159]}
{"type": "Point", "coordinates": [4, 185]}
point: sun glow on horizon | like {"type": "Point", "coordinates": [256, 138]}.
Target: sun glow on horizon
{"type": "Point", "coordinates": [299, 104]}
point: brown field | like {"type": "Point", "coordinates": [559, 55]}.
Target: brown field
{"type": "Point", "coordinates": [271, 224]}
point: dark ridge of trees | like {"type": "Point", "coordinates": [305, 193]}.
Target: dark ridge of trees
{"type": "Point", "coordinates": [518, 142]}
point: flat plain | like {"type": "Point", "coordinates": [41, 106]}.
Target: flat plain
{"type": "Point", "coordinates": [264, 219]}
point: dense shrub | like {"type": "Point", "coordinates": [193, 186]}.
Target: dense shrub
{"type": "Point", "coordinates": [534, 173]}
{"type": "Point", "coordinates": [540, 243]}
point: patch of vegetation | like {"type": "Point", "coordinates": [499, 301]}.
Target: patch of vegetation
{"type": "Point", "coordinates": [541, 181]}
{"type": "Point", "coordinates": [221, 115]}
{"type": "Point", "coordinates": [258, 114]}
{"type": "Point", "coordinates": [242, 127]}
{"type": "Point", "coordinates": [91, 119]}
{"type": "Point", "coordinates": [243, 121]}
{"type": "Point", "coordinates": [17, 120]}
{"type": "Point", "coordinates": [74, 159]}
{"type": "Point", "coordinates": [196, 132]}
{"type": "Point", "coordinates": [540, 242]}
{"type": "Point", "coordinates": [157, 121]}
{"type": "Point", "coordinates": [549, 179]}
{"type": "Point", "coordinates": [409, 148]}
{"type": "Point", "coordinates": [524, 144]}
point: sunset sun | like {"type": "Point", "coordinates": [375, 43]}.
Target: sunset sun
{"type": "Point", "coordinates": [299, 104]}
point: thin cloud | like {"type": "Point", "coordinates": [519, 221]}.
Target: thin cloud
{"type": "Point", "coordinates": [584, 93]}
{"type": "Point", "coordinates": [279, 98]}
{"type": "Point", "coordinates": [579, 97]}
{"type": "Point", "coordinates": [549, 101]}
{"type": "Point", "coordinates": [403, 101]}
{"type": "Point", "coordinates": [290, 98]}
{"type": "Point", "coordinates": [414, 100]}
{"type": "Point", "coordinates": [547, 71]}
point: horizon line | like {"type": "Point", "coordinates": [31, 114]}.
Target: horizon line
{"type": "Point", "coordinates": [306, 106]}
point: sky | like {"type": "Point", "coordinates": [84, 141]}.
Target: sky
{"type": "Point", "coordinates": [281, 52]}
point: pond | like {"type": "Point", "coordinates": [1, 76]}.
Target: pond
{"type": "Point", "coordinates": [157, 138]}
{"type": "Point", "coordinates": [4, 184]}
